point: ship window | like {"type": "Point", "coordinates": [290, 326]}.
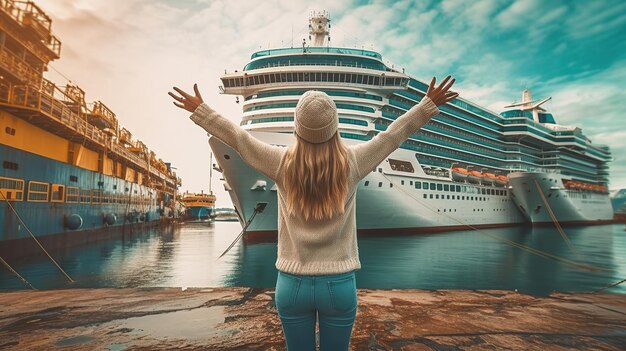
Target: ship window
{"type": "Point", "coordinates": [452, 188]}
{"type": "Point", "coordinates": [391, 185]}
{"type": "Point", "coordinates": [425, 185]}
{"type": "Point", "coordinates": [402, 166]}
{"type": "Point", "coordinates": [447, 197]}
{"type": "Point", "coordinates": [437, 196]}
{"type": "Point", "coordinates": [431, 196]}
{"type": "Point", "coordinates": [380, 184]}
{"type": "Point", "coordinates": [37, 191]}
{"type": "Point", "coordinates": [73, 178]}
{"type": "Point", "coordinates": [12, 189]}
{"type": "Point", "coordinates": [418, 185]}
{"type": "Point", "coordinates": [85, 196]}
{"type": "Point", "coordinates": [367, 182]}
{"type": "Point", "coordinates": [433, 186]}
{"type": "Point", "coordinates": [10, 131]}
{"type": "Point", "coordinates": [96, 196]}
{"type": "Point", "coordinates": [439, 187]}
{"type": "Point", "coordinates": [58, 193]}
{"type": "Point", "coordinates": [446, 187]}
{"type": "Point", "coordinates": [458, 188]}
{"type": "Point", "coordinates": [9, 165]}
{"type": "Point", "coordinates": [425, 196]}
{"type": "Point", "coordinates": [453, 197]}
{"type": "Point", "coordinates": [72, 194]}
{"type": "Point", "coordinates": [402, 182]}
{"type": "Point", "coordinates": [411, 182]}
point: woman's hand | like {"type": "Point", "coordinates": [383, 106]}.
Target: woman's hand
{"type": "Point", "coordinates": [441, 94]}
{"type": "Point", "coordinates": [186, 101]}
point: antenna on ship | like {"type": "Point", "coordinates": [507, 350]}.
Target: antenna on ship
{"type": "Point", "coordinates": [319, 28]}
{"type": "Point", "coordinates": [210, 172]}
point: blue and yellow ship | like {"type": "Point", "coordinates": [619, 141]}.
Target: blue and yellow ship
{"type": "Point", "coordinates": [199, 206]}
{"type": "Point", "coordinates": [69, 171]}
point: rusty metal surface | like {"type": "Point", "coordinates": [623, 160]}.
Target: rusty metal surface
{"type": "Point", "coordinates": [246, 319]}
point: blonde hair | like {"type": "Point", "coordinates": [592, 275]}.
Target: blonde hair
{"type": "Point", "coordinates": [316, 178]}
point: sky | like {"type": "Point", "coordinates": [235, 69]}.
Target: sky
{"type": "Point", "coordinates": [129, 53]}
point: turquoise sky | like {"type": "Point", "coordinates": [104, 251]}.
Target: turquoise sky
{"type": "Point", "coordinates": [573, 51]}
{"type": "Point", "coordinates": [130, 52]}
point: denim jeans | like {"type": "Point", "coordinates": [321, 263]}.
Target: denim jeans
{"type": "Point", "coordinates": [301, 300]}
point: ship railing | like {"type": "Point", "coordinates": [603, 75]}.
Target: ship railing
{"type": "Point", "coordinates": [330, 64]}
{"type": "Point", "coordinates": [31, 17]}
{"type": "Point", "coordinates": [316, 49]}
{"type": "Point", "coordinates": [11, 63]}
{"type": "Point", "coordinates": [48, 105]}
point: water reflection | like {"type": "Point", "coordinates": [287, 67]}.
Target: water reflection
{"type": "Point", "coordinates": [186, 256]}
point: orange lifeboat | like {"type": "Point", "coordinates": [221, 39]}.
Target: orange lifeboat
{"type": "Point", "coordinates": [459, 173]}
{"type": "Point", "coordinates": [488, 178]}
{"type": "Point", "coordinates": [501, 180]}
{"type": "Point", "coordinates": [474, 177]}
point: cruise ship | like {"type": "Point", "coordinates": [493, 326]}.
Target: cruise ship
{"type": "Point", "coordinates": [468, 167]}
{"type": "Point", "coordinates": [70, 173]}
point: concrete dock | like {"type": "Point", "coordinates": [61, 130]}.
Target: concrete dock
{"type": "Point", "coordinates": [246, 319]}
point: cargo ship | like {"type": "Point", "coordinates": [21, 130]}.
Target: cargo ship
{"type": "Point", "coordinates": [70, 171]}
{"type": "Point", "coordinates": [468, 167]}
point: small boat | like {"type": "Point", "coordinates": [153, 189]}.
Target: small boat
{"type": "Point", "coordinates": [501, 180]}
{"type": "Point", "coordinates": [488, 178]}
{"type": "Point", "coordinates": [200, 207]}
{"type": "Point", "coordinates": [459, 173]}
{"type": "Point", "coordinates": [474, 177]}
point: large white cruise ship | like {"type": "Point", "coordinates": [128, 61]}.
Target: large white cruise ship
{"type": "Point", "coordinates": [467, 167]}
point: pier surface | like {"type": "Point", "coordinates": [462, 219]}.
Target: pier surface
{"type": "Point", "coordinates": [246, 319]}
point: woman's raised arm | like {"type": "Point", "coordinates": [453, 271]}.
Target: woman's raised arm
{"type": "Point", "coordinates": [263, 157]}
{"type": "Point", "coordinates": [370, 154]}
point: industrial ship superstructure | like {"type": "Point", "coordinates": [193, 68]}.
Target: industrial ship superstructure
{"type": "Point", "coordinates": [467, 166]}
{"type": "Point", "coordinates": [67, 166]}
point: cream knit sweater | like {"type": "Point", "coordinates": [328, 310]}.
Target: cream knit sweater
{"type": "Point", "coordinates": [316, 247]}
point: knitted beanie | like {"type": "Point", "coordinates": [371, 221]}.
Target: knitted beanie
{"type": "Point", "coordinates": [316, 119]}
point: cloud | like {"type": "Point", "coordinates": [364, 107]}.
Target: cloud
{"type": "Point", "coordinates": [129, 54]}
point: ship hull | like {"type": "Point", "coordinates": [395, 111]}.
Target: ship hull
{"type": "Point", "coordinates": [112, 212]}
{"type": "Point", "coordinates": [386, 205]}
{"type": "Point", "coordinates": [199, 212]}
{"type": "Point", "coordinates": [567, 206]}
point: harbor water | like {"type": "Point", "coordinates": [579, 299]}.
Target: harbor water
{"type": "Point", "coordinates": [186, 256]}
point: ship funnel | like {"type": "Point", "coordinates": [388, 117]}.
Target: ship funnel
{"type": "Point", "coordinates": [319, 26]}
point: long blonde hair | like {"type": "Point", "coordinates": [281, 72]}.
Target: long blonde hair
{"type": "Point", "coordinates": [316, 178]}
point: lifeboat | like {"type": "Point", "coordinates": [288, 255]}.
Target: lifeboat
{"type": "Point", "coordinates": [501, 180]}
{"type": "Point", "coordinates": [459, 173]}
{"type": "Point", "coordinates": [474, 177]}
{"type": "Point", "coordinates": [488, 178]}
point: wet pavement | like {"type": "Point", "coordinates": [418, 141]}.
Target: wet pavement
{"type": "Point", "coordinates": [246, 319]}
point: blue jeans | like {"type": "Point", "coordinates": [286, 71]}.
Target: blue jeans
{"type": "Point", "coordinates": [300, 300]}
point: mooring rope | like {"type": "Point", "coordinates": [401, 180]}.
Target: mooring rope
{"type": "Point", "coordinates": [17, 274]}
{"type": "Point", "coordinates": [34, 238]}
{"type": "Point", "coordinates": [260, 206]}
{"type": "Point", "coordinates": [582, 266]}
{"type": "Point", "coordinates": [555, 220]}
{"type": "Point", "coordinates": [610, 286]}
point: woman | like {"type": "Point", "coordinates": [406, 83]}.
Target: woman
{"type": "Point", "coordinates": [316, 179]}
